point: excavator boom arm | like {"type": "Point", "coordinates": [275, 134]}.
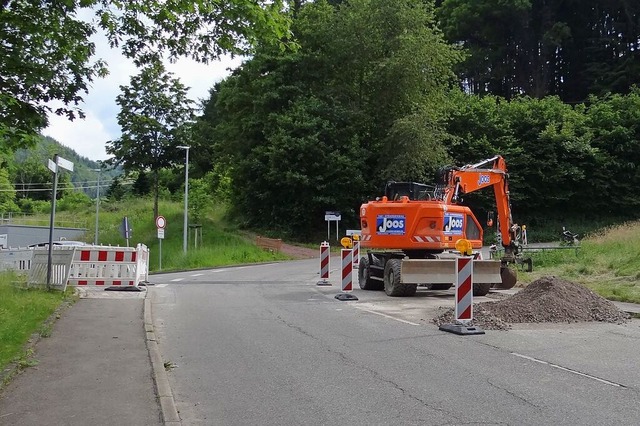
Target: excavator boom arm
{"type": "Point", "coordinates": [477, 176]}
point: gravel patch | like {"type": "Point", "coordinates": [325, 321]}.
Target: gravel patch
{"type": "Point", "coordinates": [546, 300]}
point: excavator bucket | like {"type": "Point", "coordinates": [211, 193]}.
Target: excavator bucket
{"type": "Point", "coordinates": [428, 271]}
{"type": "Point", "coordinates": [486, 271]}
{"type": "Point", "coordinates": [443, 271]}
{"type": "Point", "coordinates": [509, 278]}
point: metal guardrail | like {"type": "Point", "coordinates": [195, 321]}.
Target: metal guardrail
{"type": "Point", "coordinates": [33, 220]}
{"type": "Point", "coordinates": [543, 248]}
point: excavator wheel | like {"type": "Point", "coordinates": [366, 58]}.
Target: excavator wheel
{"type": "Point", "coordinates": [364, 276]}
{"type": "Point", "coordinates": [509, 278]}
{"type": "Point", "coordinates": [392, 283]}
{"type": "Point", "coordinates": [481, 289]}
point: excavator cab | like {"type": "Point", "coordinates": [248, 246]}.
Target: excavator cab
{"type": "Point", "coordinates": [413, 190]}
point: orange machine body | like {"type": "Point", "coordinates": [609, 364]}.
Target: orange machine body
{"type": "Point", "coordinates": [430, 226]}
{"type": "Point", "coordinates": [420, 221]}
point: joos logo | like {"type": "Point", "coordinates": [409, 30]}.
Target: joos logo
{"type": "Point", "coordinates": [390, 224]}
{"type": "Point", "coordinates": [453, 224]}
{"type": "Point", "coordinates": [483, 179]}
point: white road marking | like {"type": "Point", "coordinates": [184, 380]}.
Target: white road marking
{"type": "Point", "coordinates": [177, 279]}
{"type": "Point", "coordinates": [387, 316]}
{"type": "Point", "coordinates": [196, 275]}
{"type": "Point", "coordinates": [606, 382]}
{"type": "Point", "coordinates": [161, 285]}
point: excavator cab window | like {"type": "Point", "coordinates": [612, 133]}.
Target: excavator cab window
{"type": "Point", "coordinates": [472, 232]}
{"type": "Point", "coordinates": [415, 191]}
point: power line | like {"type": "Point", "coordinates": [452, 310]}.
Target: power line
{"type": "Point", "coordinates": [124, 183]}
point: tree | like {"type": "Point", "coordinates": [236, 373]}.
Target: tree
{"type": "Point", "coordinates": [323, 121]}
{"type": "Point", "coordinates": [46, 57]}
{"type": "Point", "coordinates": [7, 193]}
{"type": "Point", "coordinates": [568, 48]}
{"type": "Point", "coordinates": [141, 186]}
{"type": "Point", "coordinates": [32, 177]}
{"type": "Point", "coordinates": [155, 116]}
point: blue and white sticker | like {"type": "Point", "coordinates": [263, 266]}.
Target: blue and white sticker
{"type": "Point", "coordinates": [390, 224]}
{"type": "Point", "coordinates": [484, 179]}
{"type": "Point", "coordinates": [453, 224]}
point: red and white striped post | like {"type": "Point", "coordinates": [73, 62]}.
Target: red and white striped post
{"type": "Point", "coordinates": [347, 269]}
{"type": "Point", "coordinates": [464, 290]}
{"type": "Point", "coordinates": [324, 264]}
{"type": "Point", "coordinates": [356, 252]}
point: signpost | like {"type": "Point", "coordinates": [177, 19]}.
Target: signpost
{"type": "Point", "coordinates": [125, 230]}
{"type": "Point", "coordinates": [161, 223]}
{"type": "Point", "coordinates": [330, 216]}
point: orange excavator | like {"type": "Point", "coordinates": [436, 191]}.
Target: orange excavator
{"type": "Point", "coordinates": [410, 234]}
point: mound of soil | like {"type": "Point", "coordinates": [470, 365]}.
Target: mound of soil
{"type": "Point", "coordinates": [548, 299]}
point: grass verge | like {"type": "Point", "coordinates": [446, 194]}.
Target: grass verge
{"type": "Point", "coordinates": [23, 312]}
{"type": "Point", "coordinates": [607, 263]}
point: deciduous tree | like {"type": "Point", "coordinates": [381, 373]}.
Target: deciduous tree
{"type": "Point", "coordinates": [46, 55]}
{"type": "Point", "coordinates": [155, 113]}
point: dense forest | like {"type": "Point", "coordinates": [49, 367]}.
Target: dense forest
{"type": "Point", "coordinates": [386, 89]}
{"type": "Point", "coordinates": [378, 90]}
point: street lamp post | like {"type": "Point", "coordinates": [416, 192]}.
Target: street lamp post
{"type": "Point", "coordinates": [186, 197]}
{"type": "Point", "coordinates": [95, 240]}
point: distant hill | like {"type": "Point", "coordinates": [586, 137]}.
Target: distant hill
{"type": "Point", "coordinates": [84, 175]}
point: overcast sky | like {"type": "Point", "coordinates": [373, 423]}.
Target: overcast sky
{"type": "Point", "coordinates": [87, 137]}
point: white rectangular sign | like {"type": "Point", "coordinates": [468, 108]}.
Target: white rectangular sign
{"type": "Point", "coordinates": [52, 166]}
{"type": "Point", "coordinates": [161, 233]}
{"type": "Point", "coordinates": [329, 216]}
{"type": "Point", "coordinates": [65, 164]}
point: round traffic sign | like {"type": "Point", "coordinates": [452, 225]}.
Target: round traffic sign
{"type": "Point", "coordinates": [161, 222]}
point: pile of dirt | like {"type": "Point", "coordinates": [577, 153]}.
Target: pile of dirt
{"type": "Point", "coordinates": [548, 299]}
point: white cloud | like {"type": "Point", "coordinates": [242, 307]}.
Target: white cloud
{"type": "Point", "coordinates": [88, 137]}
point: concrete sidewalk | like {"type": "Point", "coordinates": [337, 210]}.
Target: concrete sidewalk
{"type": "Point", "coordinates": [93, 370]}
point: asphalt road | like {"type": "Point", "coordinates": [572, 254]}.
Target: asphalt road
{"type": "Point", "coordinates": [263, 345]}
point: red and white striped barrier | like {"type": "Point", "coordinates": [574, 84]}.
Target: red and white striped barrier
{"type": "Point", "coordinates": [464, 289]}
{"type": "Point", "coordinates": [109, 266]}
{"type": "Point", "coordinates": [347, 269]}
{"type": "Point", "coordinates": [324, 264]}
{"type": "Point", "coordinates": [464, 300]}
{"type": "Point", "coordinates": [356, 253]}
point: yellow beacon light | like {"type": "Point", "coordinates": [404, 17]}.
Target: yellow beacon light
{"type": "Point", "coordinates": [464, 247]}
{"type": "Point", "coordinates": [346, 242]}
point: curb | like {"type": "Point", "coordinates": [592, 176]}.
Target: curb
{"type": "Point", "coordinates": [165, 396]}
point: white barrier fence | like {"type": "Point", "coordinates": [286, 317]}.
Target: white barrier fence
{"type": "Point", "coordinates": [102, 266]}
{"type": "Point", "coordinates": [16, 259]}
{"type": "Point", "coordinates": [61, 261]}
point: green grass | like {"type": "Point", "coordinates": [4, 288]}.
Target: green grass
{"type": "Point", "coordinates": [606, 262]}
{"type": "Point", "coordinates": [220, 243]}
{"type": "Point", "coordinates": [23, 312]}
